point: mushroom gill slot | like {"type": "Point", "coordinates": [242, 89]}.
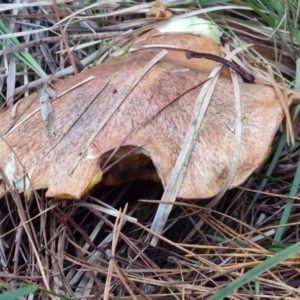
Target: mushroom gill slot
{"type": "Point", "coordinates": [127, 164]}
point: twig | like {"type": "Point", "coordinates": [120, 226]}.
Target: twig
{"type": "Point", "coordinates": [247, 77]}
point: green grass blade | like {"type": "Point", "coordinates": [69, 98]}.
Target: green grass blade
{"type": "Point", "coordinates": [20, 292]}
{"type": "Point", "coordinates": [255, 272]}
{"type": "Point", "coordinates": [270, 178]}
{"type": "Point", "coordinates": [293, 192]}
{"type": "Point", "coordinates": [297, 80]}
{"type": "Point", "coordinates": [270, 170]}
{"type": "Point", "coordinates": [22, 55]}
{"type": "Point", "coordinates": [288, 207]}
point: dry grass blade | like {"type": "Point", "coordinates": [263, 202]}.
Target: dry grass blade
{"type": "Point", "coordinates": [70, 54]}
{"type": "Point", "coordinates": [113, 265]}
{"type": "Point", "coordinates": [113, 108]}
{"type": "Point", "coordinates": [27, 228]}
{"type": "Point", "coordinates": [178, 172]}
{"type": "Point", "coordinates": [109, 211]}
{"type": "Point", "coordinates": [98, 37]}
{"type": "Point", "coordinates": [47, 112]}
{"type": "Point", "coordinates": [110, 254]}
{"type": "Point", "coordinates": [238, 136]}
{"type": "Point", "coordinates": [238, 140]}
{"type": "Point", "coordinates": [285, 106]}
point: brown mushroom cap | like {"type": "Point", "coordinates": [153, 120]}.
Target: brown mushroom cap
{"type": "Point", "coordinates": [154, 117]}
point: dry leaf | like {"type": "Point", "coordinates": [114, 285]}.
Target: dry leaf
{"type": "Point", "coordinates": [153, 118]}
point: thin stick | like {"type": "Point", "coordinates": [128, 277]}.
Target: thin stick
{"type": "Point", "coordinates": [247, 77]}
